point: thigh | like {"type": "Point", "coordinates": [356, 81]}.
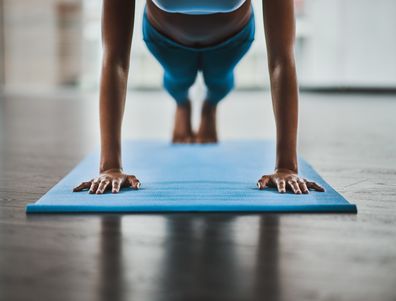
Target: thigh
{"type": "Point", "coordinates": [222, 61]}
{"type": "Point", "coordinates": [176, 60]}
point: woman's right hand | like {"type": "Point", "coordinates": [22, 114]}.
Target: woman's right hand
{"type": "Point", "coordinates": [112, 179]}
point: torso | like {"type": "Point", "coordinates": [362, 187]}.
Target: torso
{"type": "Point", "coordinates": [200, 7]}
{"type": "Point", "coordinates": [198, 30]}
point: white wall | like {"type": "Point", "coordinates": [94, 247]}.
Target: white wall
{"type": "Point", "coordinates": [350, 43]}
{"type": "Point", "coordinates": [42, 46]}
{"type": "Point", "coordinates": [29, 33]}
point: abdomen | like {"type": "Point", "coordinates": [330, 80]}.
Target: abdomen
{"type": "Point", "coordinates": [198, 30]}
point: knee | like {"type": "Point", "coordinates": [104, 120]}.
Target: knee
{"type": "Point", "coordinates": [178, 80]}
{"type": "Point", "coordinates": [178, 86]}
{"type": "Point", "coordinates": [218, 87]}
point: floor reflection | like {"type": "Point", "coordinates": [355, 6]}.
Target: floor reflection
{"type": "Point", "coordinates": [216, 257]}
{"type": "Point", "coordinates": [111, 278]}
{"type": "Point", "coordinates": [199, 259]}
{"type": "Point", "coordinates": [267, 271]}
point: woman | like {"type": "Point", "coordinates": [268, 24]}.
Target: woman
{"type": "Point", "coordinates": [187, 36]}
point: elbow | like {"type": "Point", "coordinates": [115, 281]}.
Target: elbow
{"type": "Point", "coordinates": [116, 59]}
{"type": "Point", "coordinates": [279, 62]}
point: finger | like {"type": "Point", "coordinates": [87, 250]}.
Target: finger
{"type": "Point", "coordinates": [294, 186]}
{"type": "Point", "coordinates": [94, 186]}
{"type": "Point", "coordinates": [134, 182]}
{"type": "Point", "coordinates": [281, 185]}
{"type": "Point", "coordinates": [116, 184]}
{"type": "Point", "coordinates": [315, 186]}
{"type": "Point", "coordinates": [303, 187]}
{"type": "Point", "coordinates": [82, 186]}
{"type": "Point", "coordinates": [102, 186]}
{"type": "Point", "coordinates": [263, 182]}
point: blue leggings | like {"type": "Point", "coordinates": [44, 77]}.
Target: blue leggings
{"type": "Point", "coordinates": [181, 63]}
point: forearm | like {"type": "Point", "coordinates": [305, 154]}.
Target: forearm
{"type": "Point", "coordinates": [112, 103]}
{"type": "Point", "coordinates": [284, 90]}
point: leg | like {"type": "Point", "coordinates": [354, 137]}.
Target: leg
{"type": "Point", "coordinates": [178, 83]}
{"type": "Point", "coordinates": [218, 71]}
{"type": "Point", "coordinates": [207, 132]}
{"type": "Point", "coordinates": [180, 70]}
{"type": "Point", "coordinates": [182, 130]}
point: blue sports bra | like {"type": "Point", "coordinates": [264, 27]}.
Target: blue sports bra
{"type": "Point", "coordinates": [198, 7]}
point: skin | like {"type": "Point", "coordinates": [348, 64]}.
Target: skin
{"type": "Point", "coordinates": [197, 31]}
{"type": "Point", "coordinates": [207, 132]}
{"type": "Point", "coordinates": [182, 132]}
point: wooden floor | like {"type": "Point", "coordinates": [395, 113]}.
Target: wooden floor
{"type": "Point", "coordinates": [350, 139]}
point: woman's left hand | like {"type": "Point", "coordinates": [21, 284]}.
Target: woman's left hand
{"type": "Point", "coordinates": [285, 179]}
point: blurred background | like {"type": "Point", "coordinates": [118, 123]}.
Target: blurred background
{"type": "Point", "coordinates": [47, 45]}
{"type": "Point", "coordinates": [50, 59]}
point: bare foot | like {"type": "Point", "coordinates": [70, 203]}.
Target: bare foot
{"type": "Point", "coordinates": [207, 132]}
{"type": "Point", "coordinates": [182, 133]}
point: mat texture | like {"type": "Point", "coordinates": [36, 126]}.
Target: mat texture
{"type": "Point", "coordinates": [202, 178]}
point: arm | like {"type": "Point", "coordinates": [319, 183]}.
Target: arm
{"type": "Point", "coordinates": [117, 30]}
{"type": "Point", "coordinates": [279, 24]}
{"type": "Point", "coordinates": [280, 34]}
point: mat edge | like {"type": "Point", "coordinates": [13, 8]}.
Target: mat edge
{"type": "Point", "coordinates": [340, 208]}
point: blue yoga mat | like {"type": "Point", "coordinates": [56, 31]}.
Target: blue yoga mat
{"type": "Point", "coordinates": [201, 178]}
